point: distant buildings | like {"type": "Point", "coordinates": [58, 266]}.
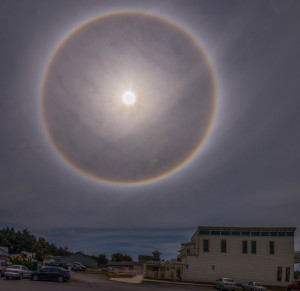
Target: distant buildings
{"type": "Point", "coordinates": [241, 253]}
{"type": "Point", "coordinates": [166, 270]}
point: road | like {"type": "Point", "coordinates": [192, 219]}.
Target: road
{"type": "Point", "coordinates": [98, 284]}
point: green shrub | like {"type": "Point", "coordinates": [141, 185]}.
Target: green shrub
{"type": "Point", "coordinates": [19, 261]}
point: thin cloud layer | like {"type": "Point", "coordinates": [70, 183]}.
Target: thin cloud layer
{"type": "Point", "coordinates": [249, 162]}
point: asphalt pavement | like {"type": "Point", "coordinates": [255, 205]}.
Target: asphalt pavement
{"type": "Point", "coordinates": [95, 283]}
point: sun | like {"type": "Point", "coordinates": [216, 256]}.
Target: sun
{"type": "Point", "coordinates": [128, 98]}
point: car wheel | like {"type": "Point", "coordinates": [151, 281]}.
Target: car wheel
{"type": "Point", "coordinates": [35, 277]}
{"type": "Point", "coordinates": [6, 278]}
{"type": "Point", "coordinates": [220, 288]}
{"type": "Point", "coordinates": [21, 277]}
{"type": "Point", "coordinates": [215, 286]}
{"type": "Point", "coordinates": [60, 279]}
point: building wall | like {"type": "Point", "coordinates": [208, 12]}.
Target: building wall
{"type": "Point", "coordinates": [262, 266]}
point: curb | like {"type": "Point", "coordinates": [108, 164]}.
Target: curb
{"type": "Point", "coordinates": [177, 283]}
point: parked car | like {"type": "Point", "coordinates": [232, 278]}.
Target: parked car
{"type": "Point", "coordinates": [3, 266]}
{"type": "Point", "coordinates": [294, 286]}
{"type": "Point", "coordinates": [17, 271]}
{"type": "Point", "coordinates": [107, 269]}
{"type": "Point", "coordinates": [80, 266]}
{"type": "Point", "coordinates": [253, 286]}
{"type": "Point", "coordinates": [225, 283]}
{"type": "Point", "coordinates": [75, 267]}
{"type": "Point", "coordinates": [51, 274]}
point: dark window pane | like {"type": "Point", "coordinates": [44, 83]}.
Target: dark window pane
{"type": "Point", "coordinates": [253, 247]}
{"type": "Point", "coordinates": [205, 245]}
{"type": "Point", "coordinates": [245, 247]}
{"type": "Point", "coordinates": [223, 246]}
{"type": "Point", "coordinates": [281, 233]}
{"type": "Point", "coordinates": [289, 233]}
{"type": "Point", "coordinates": [203, 232]}
{"type": "Point", "coordinates": [213, 232]}
{"type": "Point", "coordinates": [279, 274]}
{"type": "Point", "coordinates": [273, 233]}
{"type": "Point", "coordinates": [287, 274]}
{"type": "Point", "coordinates": [236, 233]}
{"type": "Point", "coordinates": [225, 232]}
{"type": "Point", "coordinates": [264, 233]}
{"type": "Point", "coordinates": [272, 248]}
{"type": "Point", "coordinates": [246, 233]}
{"type": "Point", "coordinates": [255, 233]}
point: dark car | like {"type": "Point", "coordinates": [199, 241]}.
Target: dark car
{"type": "Point", "coordinates": [51, 274]}
{"type": "Point", "coordinates": [294, 286]}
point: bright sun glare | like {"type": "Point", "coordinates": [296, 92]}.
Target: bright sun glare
{"type": "Point", "coordinates": [129, 98]}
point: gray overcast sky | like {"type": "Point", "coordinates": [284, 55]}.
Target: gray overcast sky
{"type": "Point", "coordinates": [245, 174]}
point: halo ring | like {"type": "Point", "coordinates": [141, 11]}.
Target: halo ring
{"type": "Point", "coordinates": [112, 181]}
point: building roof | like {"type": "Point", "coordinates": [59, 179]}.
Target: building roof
{"type": "Point", "coordinates": [243, 228]}
{"type": "Point", "coordinates": [3, 251]}
{"type": "Point", "coordinates": [82, 258]}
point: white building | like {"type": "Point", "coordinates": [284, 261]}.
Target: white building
{"type": "Point", "coordinates": [241, 253]}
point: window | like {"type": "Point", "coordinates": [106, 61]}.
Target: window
{"type": "Point", "coordinates": [203, 232]}
{"type": "Point", "coordinates": [287, 274]}
{"type": "Point", "coordinates": [272, 249]}
{"type": "Point", "coordinates": [205, 245]}
{"type": "Point", "coordinates": [279, 274]}
{"type": "Point", "coordinates": [255, 233]}
{"type": "Point", "coordinates": [253, 247]}
{"type": "Point", "coordinates": [223, 246]}
{"type": "Point", "coordinates": [245, 247]}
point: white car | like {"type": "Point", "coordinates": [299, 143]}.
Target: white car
{"type": "Point", "coordinates": [253, 286]}
{"type": "Point", "coordinates": [17, 271]}
{"type": "Point", "coordinates": [225, 283]}
{"type": "Point", "coordinates": [80, 266]}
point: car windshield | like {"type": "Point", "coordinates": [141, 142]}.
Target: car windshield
{"type": "Point", "coordinates": [14, 267]}
{"type": "Point", "coordinates": [228, 280]}
{"type": "Point", "coordinates": [257, 284]}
